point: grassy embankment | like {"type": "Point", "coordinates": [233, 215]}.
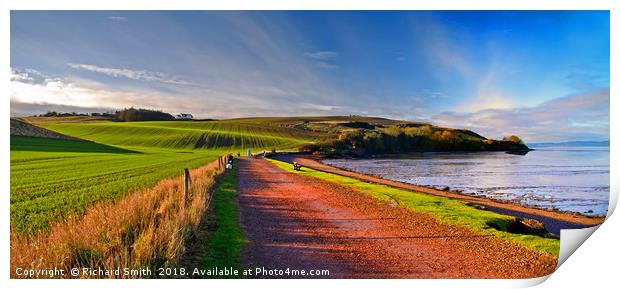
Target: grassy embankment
{"type": "Point", "coordinates": [444, 210]}
{"type": "Point", "coordinates": [226, 241]}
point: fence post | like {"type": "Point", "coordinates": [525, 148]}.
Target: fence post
{"type": "Point", "coordinates": [186, 188]}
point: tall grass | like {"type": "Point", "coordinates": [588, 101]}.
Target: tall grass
{"type": "Point", "coordinates": [145, 229]}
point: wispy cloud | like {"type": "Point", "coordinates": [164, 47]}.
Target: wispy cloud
{"type": "Point", "coordinates": [444, 51]}
{"type": "Point", "coordinates": [323, 58]}
{"type": "Point", "coordinates": [117, 18]}
{"type": "Point", "coordinates": [322, 55]}
{"type": "Point", "coordinates": [131, 74]}
{"type": "Point", "coordinates": [582, 116]}
{"type": "Point", "coordinates": [27, 75]}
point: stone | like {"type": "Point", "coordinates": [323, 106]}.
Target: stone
{"type": "Point", "coordinates": [527, 226]}
{"type": "Point", "coordinates": [477, 206]}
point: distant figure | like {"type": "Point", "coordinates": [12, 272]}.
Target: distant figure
{"type": "Point", "coordinates": [264, 154]}
{"type": "Point", "coordinates": [238, 154]}
{"type": "Point", "coordinates": [229, 166]}
{"type": "Point", "coordinates": [249, 152]}
{"type": "Point", "coordinates": [230, 158]}
{"type": "Point", "coordinates": [296, 166]}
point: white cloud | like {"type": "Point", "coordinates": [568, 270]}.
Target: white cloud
{"type": "Point", "coordinates": [81, 93]}
{"type": "Point", "coordinates": [131, 74]}
{"type": "Point", "coordinates": [20, 76]}
{"type": "Point", "coordinates": [321, 107]}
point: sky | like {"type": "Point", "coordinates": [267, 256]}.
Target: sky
{"type": "Point", "coordinates": [542, 75]}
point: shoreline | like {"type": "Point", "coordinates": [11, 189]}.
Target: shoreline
{"type": "Point", "coordinates": [554, 220]}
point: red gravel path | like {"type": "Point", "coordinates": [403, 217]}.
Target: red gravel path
{"type": "Point", "coordinates": [298, 222]}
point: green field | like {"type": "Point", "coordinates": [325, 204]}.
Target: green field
{"type": "Point", "coordinates": [237, 135]}
{"type": "Point", "coordinates": [52, 179]}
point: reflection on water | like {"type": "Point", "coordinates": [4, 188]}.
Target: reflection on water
{"type": "Point", "coordinates": [572, 179]}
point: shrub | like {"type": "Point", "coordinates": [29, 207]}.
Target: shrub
{"type": "Point", "coordinates": [513, 138]}
{"type": "Point", "coordinates": [132, 114]}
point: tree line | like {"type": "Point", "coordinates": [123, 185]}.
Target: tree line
{"type": "Point", "coordinates": [395, 139]}
{"type": "Point", "coordinates": [127, 114]}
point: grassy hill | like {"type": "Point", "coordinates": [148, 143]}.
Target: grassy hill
{"type": "Point", "coordinates": [188, 134]}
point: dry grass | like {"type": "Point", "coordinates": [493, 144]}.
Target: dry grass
{"type": "Point", "coordinates": [145, 229]}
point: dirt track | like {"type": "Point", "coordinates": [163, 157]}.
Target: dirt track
{"type": "Point", "coordinates": [298, 222]}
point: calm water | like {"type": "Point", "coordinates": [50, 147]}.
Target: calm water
{"type": "Point", "coordinates": [572, 179]}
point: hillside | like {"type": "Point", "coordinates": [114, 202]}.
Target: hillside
{"type": "Point", "coordinates": [234, 134]}
{"type": "Point", "coordinates": [22, 128]}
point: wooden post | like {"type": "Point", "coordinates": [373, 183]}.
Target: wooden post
{"type": "Point", "coordinates": [186, 188]}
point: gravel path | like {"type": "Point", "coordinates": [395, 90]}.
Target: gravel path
{"type": "Point", "coordinates": [298, 222]}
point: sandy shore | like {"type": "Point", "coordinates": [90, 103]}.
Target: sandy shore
{"type": "Point", "coordinates": [554, 220]}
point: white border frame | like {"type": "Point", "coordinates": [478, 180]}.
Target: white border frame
{"type": "Point", "coordinates": [591, 266]}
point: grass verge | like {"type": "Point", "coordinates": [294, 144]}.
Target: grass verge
{"type": "Point", "coordinates": [226, 241]}
{"type": "Point", "coordinates": [444, 210]}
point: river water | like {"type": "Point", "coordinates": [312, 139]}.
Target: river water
{"type": "Point", "coordinates": [574, 179]}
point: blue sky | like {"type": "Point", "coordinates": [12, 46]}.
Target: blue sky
{"type": "Point", "coordinates": [543, 75]}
